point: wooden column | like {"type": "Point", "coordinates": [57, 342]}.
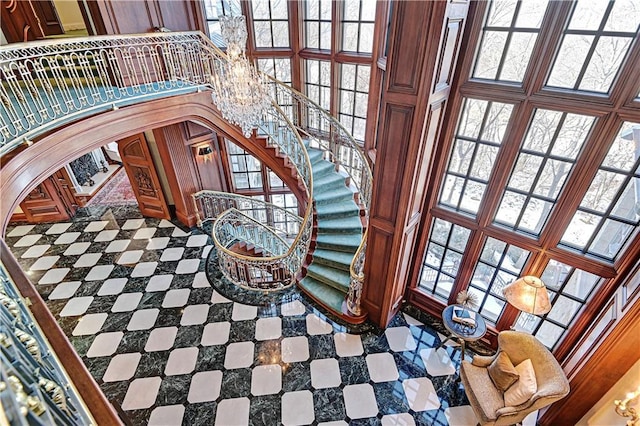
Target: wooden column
{"type": "Point", "coordinates": [180, 168]}
{"type": "Point", "coordinates": [424, 44]}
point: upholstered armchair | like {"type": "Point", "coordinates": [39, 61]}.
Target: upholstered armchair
{"type": "Point", "coordinates": [488, 401]}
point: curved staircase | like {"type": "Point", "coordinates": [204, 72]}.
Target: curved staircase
{"type": "Point", "coordinates": [338, 233]}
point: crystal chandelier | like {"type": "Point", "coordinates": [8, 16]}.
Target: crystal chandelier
{"type": "Point", "coordinates": [239, 91]}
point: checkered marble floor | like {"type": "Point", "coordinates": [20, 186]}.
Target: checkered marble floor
{"type": "Point", "coordinates": [171, 342]}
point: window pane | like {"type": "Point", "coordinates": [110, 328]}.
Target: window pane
{"type": "Point", "coordinates": [214, 9]}
{"type": "Point", "coordinates": [271, 23]}
{"type": "Point", "coordinates": [551, 145]}
{"type": "Point", "coordinates": [569, 288]}
{"type": "Point", "coordinates": [609, 213]}
{"type": "Point", "coordinates": [509, 35]}
{"type": "Point", "coordinates": [317, 18]}
{"type": "Point", "coordinates": [246, 170]}
{"type": "Point", "coordinates": [590, 57]}
{"type": "Point", "coordinates": [480, 131]}
{"type": "Point", "coordinates": [354, 98]}
{"type": "Point", "coordinates": [357, 25]}
{"type": "Point", "coordinates": [499, 265]}
{"type": "Point", "coordinates": [444, 255]}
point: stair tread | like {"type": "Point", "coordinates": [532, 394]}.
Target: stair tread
{"type": "Point", "coordinates": [336, 208]}
{"type": "Point", "coordinates": [331, 298]}
{"type": "Point", "coordinates": [322, 167]}
{"type": "Point", "coordinates": [330, 276]}
{"type": "Point", "coordinates": [329, 179]}
{"type": "Point", "coordinates": [349, 240]}
{"type": "Point", "coordinates": [339, 193]}
{"type": "Point", "coordinates": [353, 223]}
{"type": "Point", "coordinates": [335, 257]}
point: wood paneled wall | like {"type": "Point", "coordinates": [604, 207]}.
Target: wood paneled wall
{"type": "Point", "coordinates": [131, 17]}
{"type": "Point", "coordinates": [424, 45]}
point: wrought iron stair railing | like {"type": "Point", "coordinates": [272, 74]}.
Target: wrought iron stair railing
{"type": "Point", "coordinates": [46, 84]}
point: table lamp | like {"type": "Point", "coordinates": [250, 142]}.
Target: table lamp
{"type": "Point", "coordinates": [529, 295]}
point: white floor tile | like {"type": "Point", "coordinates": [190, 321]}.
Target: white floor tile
{"type": "Point", "coordinates": [179, 233]}
{"type": "Point", "coordinates": [164, 223]}
{"type": "Point", "coordinates": [106, 235]}
{"type": "Point", "coordinates": [171, 254]}
{"type": "Point", "coordinates": [36, 251]}
{"type": "Point", "coordinates": [297, 408]}
{"type": "Point", "coordinates": [188, 266]}
{"type": "Point", "coordinates": [54, 276]}
{"type": "Point", "coordinates": [132, 224]}
{"type": "Point", "coordinates": [143, 319]}
{"type": "Point", "coordinates": [117, 246]}
{"type": "Point", "coordinates": [215, 333]}
{"type": "Point", "coordinates": [218, 298]}
{"type": "Point", "coordinates": [205, 251]}
{"type": "Point", "coordinates": [411, 320]}
{"type": "Point", "coordinates": [87, 260]}
{"type": "Point", "coordinates": [112, 286]}
{"type": "Point", "coordinates": [126, 302]}
{"type": "Point", "coordinates": [89, 324]}
{"type": "Point", "coordinates": [325, 373]}
{"type": "Point", "coordinates": [293, 308]}
{"type": "Point", "coordinates": [194, 314]}
{"type": "Point", "coordinates": [316, 325]}
{"type": "Point", "coordinates": [76, 249]}
{"type": "Point", "coordinates": [243, 312]}
{"type": "Point", "coordinates": [268, 328]}
{"type": "Point", "coordinates": [144, 234]}
{"type": "Point", "coordinates": [402, 419]}
{"type": "Point", "coordinates": [348, 344]}
{"type": "Point", "coordinates": [44, 263]}
{"type": "Point", "coordinates": [450, 342]}
{"type": "Point", "coordinates": [122, 367]}
{"type": "Point", "coordinates": [295, 349]}
{"type": "Point", "coordinates": [27, 240]}
{"type": "Point", "coordinates": [336, 423]}
{"type": "Point", "coordinates": [197, 241]}
{"type": "Point", "coordinates": [421, 394]}
{"type": "Point", "coordinates": [161, 339]}
{"type": "Point", "coordinates": [239, 355]}
{"type": "Point", "coordinates": [130, 257]}
{"type": "Point", "coordinates": [382, 367]}
{"type": "Point", "coordinates": [105, 344]}
{"type": "Point", "coordinates": [95, 226]}
{"type": "Point", "coordinates": [200, 281]}
{"type": "Point", "coordinates": [100, 272]}
{"type": "Point", "coordinates": [65, 290]}
{"type": "Point", "coordinates": [266, 380]}
{"type": "Point", "coordinates": [461, 416]}
{"type": "Point", "coordinates": [400, 339]}
{"type": "Point", "coordinates": [176, 298]}
{"type": "Point", "coordinates": [76, 306]}
{"type": "Point", "coordinates": [205, 386]}
{"type": "Point", "coordinates": [438, 362]}
{"type": "Point", "coordinates": [166, 415]}
{"type": "Point", "coordinates": [144, 269]}
{"type": "Point", "coordinates": [181, 361]}
{"type": "Point", "coordinates": [159, 283]}
{"type": "Point", "coordinates": [360, 401]}
{"type": "Point", "coordinates": [20, 231]}
{"type": "Point", "coordinates": [158, 243]}
{"type": "Point", "coordinates": [142, 393]}
{"type": "Point", "coordinates": [67, 238]}
{"type": "Point", "coordinates": [58, 228]}
{"type": "Point", "coordinates": [232, 412]}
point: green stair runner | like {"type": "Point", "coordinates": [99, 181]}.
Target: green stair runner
{"type": "Point", "coordinates": [339, 233]}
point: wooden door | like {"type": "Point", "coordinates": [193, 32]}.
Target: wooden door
{"type": "Point", "coordinates": [64, 187]}
{"type": "Point", "coordinates": [46, 13]}
{"type": "Point", "coordinates": [141, 171]}
{"type": "Point", "coordinates": [19, 22]}
{"type": "Point", "coordinates": [44, 204]}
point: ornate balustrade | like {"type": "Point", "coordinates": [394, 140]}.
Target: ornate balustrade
{"type": "Point", "coordinates": [46, 84]}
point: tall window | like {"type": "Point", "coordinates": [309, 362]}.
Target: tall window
{"type": "Point", "coordinates": [270, 23]}
{"type": "Point", "coordinates": [544, 178]}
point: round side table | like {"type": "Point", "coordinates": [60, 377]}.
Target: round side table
{"type": "Point", "coordinates": [461, 332]}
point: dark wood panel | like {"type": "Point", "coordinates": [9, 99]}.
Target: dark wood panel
{"type": "Point", "coordinates": [447, 61]}
{"type": "Point", "coordinates": [392, 152]}
{"type": "Point", "coordinates": [18, 22]}
{"type": "Point", "coordinates": [376, 273]}
{"type": "Point", "coordinates": [408, 45]}
{"type": "Point", "coordinates": [46, 12]}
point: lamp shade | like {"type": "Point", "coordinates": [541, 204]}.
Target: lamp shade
{"type": "Point", "coordinates": [204, 150]}
{"type": "Point", "coordinates": [528, 294]}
